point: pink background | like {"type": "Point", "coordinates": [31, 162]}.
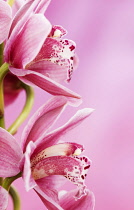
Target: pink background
{"type": "Point", "coordinates": [104, 33]}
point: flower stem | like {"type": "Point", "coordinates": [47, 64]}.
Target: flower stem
{"type": "Point", "coordinates": [3, 71]}
{"type": "Point", "coordinates": [8, 181]}
{"type": "Point", "coordinates": [15, 198]}
{"type": "Point", "coordinates": [26, 109]}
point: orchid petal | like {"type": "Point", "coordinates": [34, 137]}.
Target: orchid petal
{"type": "Point", "coordinates": [73, 168]}
{"type": "Point", "coordinates": [58, 51]}
{"type": "Point", "coordinates": [3, 198]}
{"type": "Point", "coordinates": [43, 119]}
{"type": "Point", "coordinates": [47, 84]}
{"type": "Point", "coordinates": [29, 41]}
{"type": "Point", "coordinates": [10, 154]}
{"type": "Point", "coordinates": [53, 182]}
{"type": "Point", "coordinates": [5, 20]}
{"type": "Point", "coordinates": [42, 6]}
{"type": "Point", "coordinates": [49, 202]}
{"type": "Point", "coordinates": [54, 136]}
{"type": "Point", "coordinates": [27, 176]}
{"type": "Point", "coordinates": [57, 31]}
{"type": "Point", "coordinates": [66, 149]}
{"type": "Point", "coordinates": [52, 70]}
{"type": "Point", "coordinates": [68, 201]}
{"type": "Point", "coordinates": [51, 87]}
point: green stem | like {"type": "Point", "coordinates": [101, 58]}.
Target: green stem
{"type": "Point", "coordinates": [8, 181]}
{"type": "Point", "coordinates": [15, 198]}
{"type": "Point", "coordinates": [3, 71]}
{"type": "Point", "coordinates": [26, 109]}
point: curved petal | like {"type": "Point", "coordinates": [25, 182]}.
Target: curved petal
{"type": "Point", "coordinates": [54, 136]}
{"type": "Point", "coordinates": [17, 5]}
{"type": "Point", "coordinates": [52, 70]}
{"type": "Point", "coordinates": [58, 51]}
{"type": "Point", "coordinates": [65, 149]}
{"type": "Point", "coordinates": [27, 176]}
{"type": "Point", "coordinates": [43, 119]}
{"type": "Point", "coordinates": [52, 87]}
{"type": "Point", "coordinates": [3, 198]}
{"type": "Point", "coordinates": [19, 21]}
{"type": "Point", "coordinates": [29, 41]}
{"type": "Point", "coordinates": [5, 20]}
{"type": "Point", "coordinates": [10, 155]}
{"type": "Point", "coordinates": [53, 182]}
{"type": "Point", "coordinates": [73, 168]}
{"type": "Point", "coordinates": [86, 202]}
{"type": "Point", "coordinates": [49, 201]}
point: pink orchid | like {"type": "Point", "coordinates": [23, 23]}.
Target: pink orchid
{"type": "Point", "coordinates": [40, 56]}
{"type": "Point", "coordinates": [47, 162]}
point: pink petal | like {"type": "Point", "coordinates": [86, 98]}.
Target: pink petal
{"type": "Point", "coordinates": [17, 5]}
{"type": "Point", "coordinates": [42, 6]}
{"type": "Point", "coordinates": [3, 198]}
{"type": "Point", "coordinates": [5, 20]}
{"type": "Point", "coordinates": [86, 202]}
{"type": "Point", "coordinates": [58, 51]}
{"type": "Point", "coordinates": [60, 29]}
{"type": "Point", "coordinates": [10, 154]}
{"type": "Point", "coordinates": [27, 177]}
{"type": "Point", "coordinates": [54, 136]}
{"type": "Point", "coordinates": [53, 182]}
{"type": "Point", "coordinates": [29, 41]}
{"type": "Point", "coordinates": [52, 87]}
{"type": "Point", "coordinates": [73, 168]}
{"type": "Point", "coordinates": [43, 119]}
{"type": "Point", "coordinates": [19, 21]}
{"type": "Point", "coordinates": [65, 149]}
{"type": "Point", "coordinates": [48, 200]}
{"type": "Point", "coordinates": [52, 70]}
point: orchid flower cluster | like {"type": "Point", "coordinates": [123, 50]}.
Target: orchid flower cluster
{"type": "Point", "coordinates": [34, 53]}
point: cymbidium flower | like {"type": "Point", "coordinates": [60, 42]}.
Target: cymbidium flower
{"type": "Point", "coordinates": [47, 162]}
{"type": "Point", "coordinates": [35, 51]}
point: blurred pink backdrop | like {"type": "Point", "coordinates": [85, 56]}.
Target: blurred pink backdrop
{"type": "Point", "coordinates": [104, 33]}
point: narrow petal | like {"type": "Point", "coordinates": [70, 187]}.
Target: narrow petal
{"type": "Point", "coordinates": [49, 201]}
{"type": "Point", "coordinates": [29, 41]}
{"type": "Point", "coordinates": [54, 136]}
{"type": "Point", "coordinates": [52, 87]}
{"type": "Point", "coordinates": [65, 149]}
{"type": "Point", "coordinates": [3, 198]}
{"type": "Point", "coordinates": [68, 201]}
{"type": "Point", "coordinates": [73, 168]}
{"type": "Point", "coordinates": [27, 176]}
{"type": "Point", "coordinates": [42, 6]}
{"type": "Point", "coordinates": [47, 84]}
{"type": "Point", "coordinates": [10, 154]}
{"type": "Point", "coordinates": [43, 119]}
{"type": "Point", "coordinates": [5, 20]}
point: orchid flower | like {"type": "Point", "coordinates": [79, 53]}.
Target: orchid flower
{"type": "Point", "coordinates": [38, 57]}
{"type": "Point", "coordinates": [44, 160]}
